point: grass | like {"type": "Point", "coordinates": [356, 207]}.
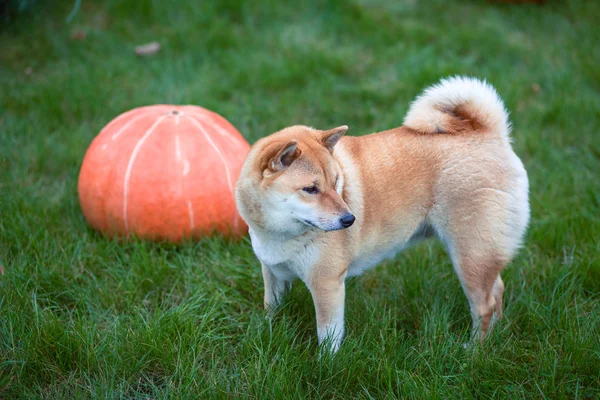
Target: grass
{"type": "Point", "coordinates": [82, 316]}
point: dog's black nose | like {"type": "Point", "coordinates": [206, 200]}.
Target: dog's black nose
{"type": "Point", "coordinates": [347, 220]}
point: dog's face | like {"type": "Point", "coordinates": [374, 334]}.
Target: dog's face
{"type": "Point", "coordinates": [302, 183]}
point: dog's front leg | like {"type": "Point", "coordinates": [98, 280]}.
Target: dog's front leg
{"type": "Point", "coordinates": [274, 288]}
{"type": "Point", "coordinates": [328, 294]}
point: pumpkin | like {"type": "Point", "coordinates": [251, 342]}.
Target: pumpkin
{"type": "Point", "coordinates": [163, 172]}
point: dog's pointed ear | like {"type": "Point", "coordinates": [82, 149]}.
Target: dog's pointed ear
{"type": "Point", "coordinates": [332, 136]}
{"type": "Point", "coordinates": [285, 157]}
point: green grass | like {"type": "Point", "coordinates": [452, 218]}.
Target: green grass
{"type": "Point", "coordinates": [86, 317]}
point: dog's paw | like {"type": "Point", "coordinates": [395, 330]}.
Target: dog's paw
{"type": "Point", "coordinates": [329, 347]}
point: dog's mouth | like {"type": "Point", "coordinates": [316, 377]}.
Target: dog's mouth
{"type": "Point", "coordinates": [328, 229]}
{"type": "Point", "coordinates": [307, 222]}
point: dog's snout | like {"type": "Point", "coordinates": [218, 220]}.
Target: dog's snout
{"type": "Point", "coordinates": [347, 220]}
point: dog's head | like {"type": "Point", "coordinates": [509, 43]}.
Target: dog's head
{"type": "Point", "coordinates": [294, 183]}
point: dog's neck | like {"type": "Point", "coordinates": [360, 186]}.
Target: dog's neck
{"type": "Point", "coordinates": [265, 234]}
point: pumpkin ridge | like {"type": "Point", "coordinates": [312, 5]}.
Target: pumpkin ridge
{"type": "Point", "coordinates": [136, 149]}
{"type": "Point", "coordinates": [216, 148]}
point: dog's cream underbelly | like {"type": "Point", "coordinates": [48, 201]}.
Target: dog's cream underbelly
{"type": "Point", "coordinates": [373, 253]}
{"type": "Point", "coordinates": [374, 257]}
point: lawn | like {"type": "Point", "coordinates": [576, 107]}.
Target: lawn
{"type": "Point", "coordinates": [82, 316]}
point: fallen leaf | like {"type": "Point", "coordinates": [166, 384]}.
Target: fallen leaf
{"type": "Point", "coordinates": [78, 35]}
{"type": "Point", "coordinates": [1, 270]}
{"type": "Point", "coordinates": [147, 49]}
{"type": "Point", "coordinates": [536, 88]}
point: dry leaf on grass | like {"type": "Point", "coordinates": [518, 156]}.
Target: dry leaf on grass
{"type": "Point", "coordinates": [78, 35]}
{"type": "Point", "coordinates": [147, 49]}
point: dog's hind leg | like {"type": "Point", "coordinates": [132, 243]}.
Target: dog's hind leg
{"type": "Point", "coordinates": [481, 243]}
{"type": "Point", "coordinates": [479, 274]}
{"type": "Point", "coordinates": [481, 213]}
{"type": "Point", "coordinates": [498, 293]}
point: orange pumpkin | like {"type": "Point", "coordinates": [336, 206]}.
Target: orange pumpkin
{"type": "Point", "coordinates": [163, 172]}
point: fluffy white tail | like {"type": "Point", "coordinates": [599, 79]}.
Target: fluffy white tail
{"type": "Point", "coordinates": [459, 105]}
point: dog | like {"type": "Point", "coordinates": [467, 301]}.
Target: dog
{"type": "Point", "coordinates": [322, 207]}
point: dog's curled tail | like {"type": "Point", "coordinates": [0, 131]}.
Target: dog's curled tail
{"type": "Point", "coordinates": [459, 105]}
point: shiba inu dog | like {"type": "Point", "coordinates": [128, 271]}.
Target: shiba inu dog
{"type": "Point", "coordinates": [322, 207]}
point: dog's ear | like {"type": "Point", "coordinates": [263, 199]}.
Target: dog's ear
{"type": "Point", "coordinates": [332, 136]}
{"type": "Point", "coordinates": [285, 157]}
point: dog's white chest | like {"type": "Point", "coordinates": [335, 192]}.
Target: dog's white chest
{"type": "Point", "coordinates": [287, 259]}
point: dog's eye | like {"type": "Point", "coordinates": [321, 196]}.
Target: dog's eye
{"type": "Point", "coordinates": [311, 189]}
